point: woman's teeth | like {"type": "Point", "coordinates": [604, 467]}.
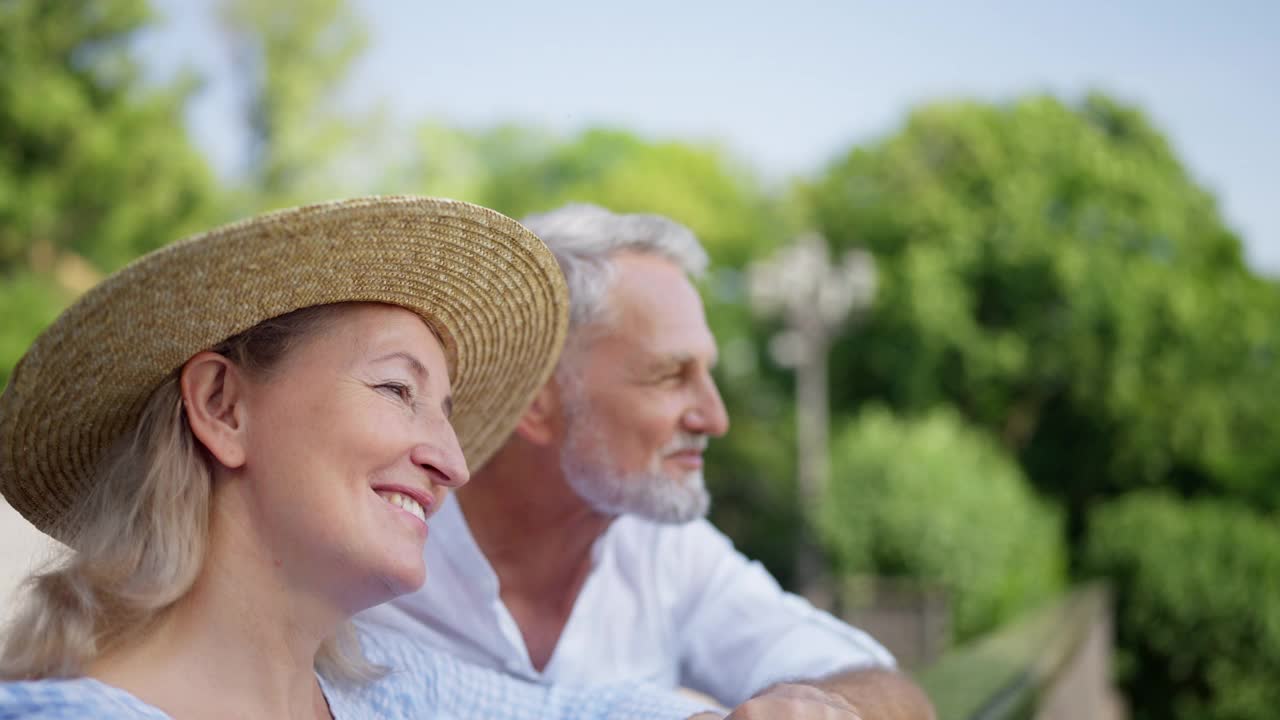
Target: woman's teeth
{"type": "Point", "coordinates": [404, 502]}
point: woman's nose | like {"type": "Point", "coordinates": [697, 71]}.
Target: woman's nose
{"type": "Point", "coordinates": [443, 461]}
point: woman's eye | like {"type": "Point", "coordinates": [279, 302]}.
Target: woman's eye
{"type": "Point", "coordinates": [400, 390]}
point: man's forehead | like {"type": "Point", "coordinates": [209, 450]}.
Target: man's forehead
{"type": "Point", "coordinates": [653, 289]}
{"type": "Point", "coordinates": [654, 339]}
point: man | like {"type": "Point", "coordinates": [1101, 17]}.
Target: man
{"type": "Point", "coordinates": [579, 553]}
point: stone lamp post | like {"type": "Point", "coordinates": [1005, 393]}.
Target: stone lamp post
{"type": "Point", "coordinates": [814, 297]}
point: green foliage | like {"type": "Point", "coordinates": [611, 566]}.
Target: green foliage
{"type": "Point", "coordinates": [1054, 273]}
{"type": "Point", "coordinates": [96, 167]}
{"type": "Point", "coordinates": [291, 57]}
{"type": "Point", "coordinates": [519, 171]}
{"type": "Point", "coordinates": [28, 303]}
{"type": "Point", "coordinates": [932, 498]}
{"type": "Point", "coordinates": [1197, 605]}
{"type": "Point", "coordinates": [93, 161]}
{"type": "Point", "coordinates": [452, 162]}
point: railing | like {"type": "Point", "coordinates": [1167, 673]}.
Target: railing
{"type": "Point", "coordinates": [1052, 663]}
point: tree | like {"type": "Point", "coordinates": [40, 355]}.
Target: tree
{"type": "Point", "coordinates": [518, 171]}
{"type": "Point", "coordinates": [934, 498]}
{"type": "Point", "coordinates": [292, 57]}
{"type": "Point", "coordinates": [96, 166]}
{"type": "Point", "coordinates": [95, 161]}
{"type": "Point", "coordinates": [1197, 587]}
{"type": "Point", "coordinates": [1053, 272]}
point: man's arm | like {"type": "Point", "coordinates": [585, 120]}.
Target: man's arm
{"type": "Point", "coordinates": [742, 633]}
{"type": "Point", "coordinates": [874, 694]}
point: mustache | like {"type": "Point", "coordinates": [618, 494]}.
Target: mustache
{"type": "Point", "coordinates": [686, 441]}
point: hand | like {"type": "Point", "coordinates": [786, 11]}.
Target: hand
{"type": "Point", "coordinates": [795, 702]}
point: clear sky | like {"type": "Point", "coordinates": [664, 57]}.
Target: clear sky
{"type": "Point", "coordinates": [788, 86]}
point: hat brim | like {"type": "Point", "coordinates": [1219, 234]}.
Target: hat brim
{"type": "Point", "coordinates": [489, 287]}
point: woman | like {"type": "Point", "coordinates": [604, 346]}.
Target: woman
{"type": "Point", "coordinates": [242, 436]}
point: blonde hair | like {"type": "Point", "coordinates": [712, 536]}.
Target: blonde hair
{"type": "Point", "coordinates": [139, 538]}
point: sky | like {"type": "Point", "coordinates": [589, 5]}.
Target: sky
{"type": "Point", "coordinates": [787, 87]}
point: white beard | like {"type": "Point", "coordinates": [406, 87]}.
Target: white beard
{"type": "Point", "coordinates": [651, 494]}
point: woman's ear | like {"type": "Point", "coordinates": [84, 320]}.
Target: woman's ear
{"type": "Point", "coordinates": [537, 424]}
{"type": "Point", "coordinates": [213, 395]}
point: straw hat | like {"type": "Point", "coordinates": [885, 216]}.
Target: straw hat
{"type": "Point", "coordinates": [489, 287]}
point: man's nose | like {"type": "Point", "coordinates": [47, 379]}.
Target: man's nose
{"type": "Point", "coordinates": [707, 416]}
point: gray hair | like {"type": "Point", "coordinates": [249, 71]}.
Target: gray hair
{"type": "Point", "coordinates": [584, 239]}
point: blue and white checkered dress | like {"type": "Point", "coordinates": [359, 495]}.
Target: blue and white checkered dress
{"type": "Point", "coordinates": [421, 683]}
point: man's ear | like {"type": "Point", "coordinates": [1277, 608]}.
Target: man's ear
{"type": "Point", "coordinates": [213, 395]}
{"type": "Point", "coordinates": [538, 423]}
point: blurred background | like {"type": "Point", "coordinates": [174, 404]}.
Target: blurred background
{"type": "Point", "coordinates": [1039, 245]}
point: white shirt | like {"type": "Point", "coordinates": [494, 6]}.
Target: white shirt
{"type": "Point", "coordinates": [669, 605]}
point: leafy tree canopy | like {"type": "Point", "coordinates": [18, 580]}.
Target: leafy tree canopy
{"type": "Point", "coordinates": [1053, 272]}
{"type": "Point", "coordinates": [935, 499]}
{"type": "Point", "coordinates": [291, 58]}
{"type": "Point", "coordinates": [1197, 588]}
{"type": "Point", "coordinates": [518, 171]}
{"type": "Point", "coordinates": [96, 167]}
